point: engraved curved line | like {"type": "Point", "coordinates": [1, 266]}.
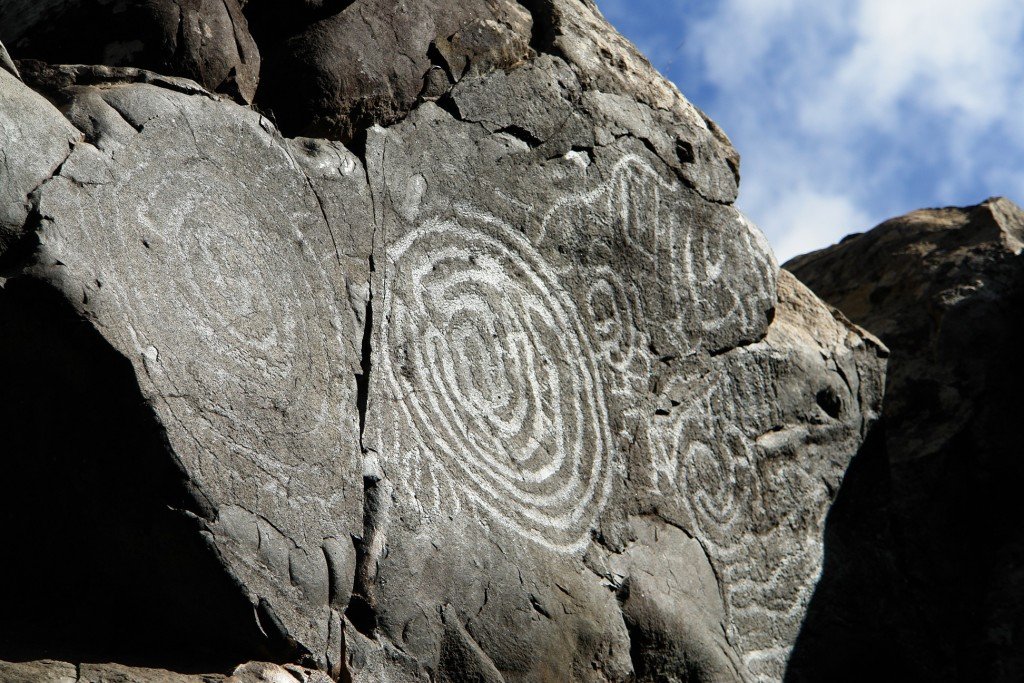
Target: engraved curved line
{"type": "Point", "coordinates": [496, 483]}
{"type": "Point", "coordinates": [618, 170]}
{"type": "Point", "coordinates": [502, 469]}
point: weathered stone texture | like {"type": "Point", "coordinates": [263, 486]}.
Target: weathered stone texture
{"type": "Point", "coordinates": [37, 140]}
{"type": "Point", "coordinates": [49, 671]}
{"type": "Point", "coordinates": [507, 390]}
{"type": "Point", "coordinates": [205, 40]}
{"type": "Point", "coordinates": [339, 72]}
{"type": "Point", "coordinates": [941, 567]}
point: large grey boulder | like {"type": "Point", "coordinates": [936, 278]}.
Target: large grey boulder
{"type": "Point", "coordinates": [334, 73]}
{"type": "Point", "coordinates": [508, 391]}
{"type": "Point", "coordinates": [50, 671]}
{"type": "Point", "coordinates": [236, 319]}
{"type": "Point", "coordinates": [938, 574]}
{"type": "Point", "coordinates": [205, 40]}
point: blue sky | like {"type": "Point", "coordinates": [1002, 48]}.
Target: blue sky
{"type": "Point", "coordinates": [848, 112]}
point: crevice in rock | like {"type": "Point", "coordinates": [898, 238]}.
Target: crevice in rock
{"type": "Point", "coordinates": [357, 145]}
{"type": "Point", "coordinates": [637, 639]}
{"type": "Point", "coordinates": [545, 26]}
{"type": "Point", "coordinates": [361, 615]}
{"type": "Point", "coordinates": [361, 612]}
{"type": "Point", "coordinates": [344, 674]}
{"type": "Point", "coordinates": [684, 151]}
{"type": "Point", "coordinates": [79, 437]}
{"type": "Point", "coordinates": [323, 214]}
{"type": "Point", "coordinates": [438, 60]}
{"type": "Point", "coordinates": [743, 342]}
{"type": "Point", "coordinates": [52, 80]}
{"type": "Point", "coordinates": [635, 648]}
{"type": "Point", "coordinates": [539, 608]}
{"type": "Point", "coordinates": [365, 362]}
{"type": "Point", "coordinates": [739, 343]}
{"type": "Point", "coordinates": [829, 401]}
{"type": "Point", "coordinates": [286, 648]}
{"type": "Point", "coordinates": [334, 591]}
{"type": "Point", "coordinates": [448, 103]}
{"type": "Point", "coordinates": [125, 116]}
{"type": "Point", "coordinates": [521, 133]}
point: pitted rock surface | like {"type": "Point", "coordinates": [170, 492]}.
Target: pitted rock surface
{"type": "Point", "coordinates": [507, 390]}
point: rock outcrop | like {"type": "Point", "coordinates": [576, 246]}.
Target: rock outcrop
{"type": "Point", "coordinates": [204, 40]}
{"type": "Point", "coordinates": [938, 574]}
{"type": "Point", "coordinates": [333, 73]}
{"type": "Point", "coordinates": [50, 671]}
{"type": "Point", "coordinates": [498, 385]}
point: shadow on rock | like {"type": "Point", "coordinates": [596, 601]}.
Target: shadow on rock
{"type": "Point", "coordinates": [925, 562]}
{"type": "Point", "coordinates": [103, 559]}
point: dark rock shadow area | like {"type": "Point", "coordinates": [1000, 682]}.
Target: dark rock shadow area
{"type": "Point", "coordinates": [101, 560]}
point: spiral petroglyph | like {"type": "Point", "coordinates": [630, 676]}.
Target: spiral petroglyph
{"type": "Point", "coordinates": [492, 382]}
{"type": "Point", "coordinates": [766, 551]}
{"type": "Point", "coordinates": [230, 314]}
{"type": "Point", "coordinates": [611, 310]}
{"type": "Point", "coordinates": [496, 398]}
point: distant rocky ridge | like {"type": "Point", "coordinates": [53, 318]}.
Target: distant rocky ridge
{"type": "Point", "coordinates": [927, 577]}
{"type": "Point", "coordinates": [430, 348]}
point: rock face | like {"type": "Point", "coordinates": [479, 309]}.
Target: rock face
{"type": "Point", "coordinates": [205, 40]}
{"type": "Point", "coordinates": [49, 671]}
{"type": "Point", "coordinates": [505, 391]}
{"type": "Point", "coordinates": [334, 73]}
{"type": "Point", "coordinates": [944, 289]}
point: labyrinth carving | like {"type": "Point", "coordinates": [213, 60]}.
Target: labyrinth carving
{"type": "Point", "coordinates": [497, 401]}
{"type": "Point", "coordinates": [664, 270]}
{"type": "Point", "coordinates": [232, 315]}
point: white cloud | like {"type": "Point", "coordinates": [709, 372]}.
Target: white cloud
{"type": "Point", "coordinates": [807, 220]}
{"type": "Point", "coordinates": [936, 55]}
{"type": "Point", "coordinates": [854, 109]}
{"type": "Point", "coordinates": [849, 110]}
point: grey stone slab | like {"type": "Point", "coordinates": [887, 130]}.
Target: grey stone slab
{"type": "Point", "coordinates": [498, 384]}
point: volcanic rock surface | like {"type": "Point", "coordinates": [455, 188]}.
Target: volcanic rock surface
{"type": "Point", "coordinates": [205, 40]}
{"type": "Point", "coordinates": [930, 582]}
{"type": "Point", "coordinates": [490, 383]}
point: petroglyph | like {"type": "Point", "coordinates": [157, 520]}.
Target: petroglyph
{"type": "Point", "coordinates": [229, 312]}
{"type": "Point", "coordinates": [436, 398]}
{"type": "Point", "coordinates": [655, 271]}
{"type": "Point", "coordinates": [499, 369]}
{"type": "Point", "coordinates": [495, 397]}
{"type": "Point", "coordinates": [764, 541]}
{"type": "Point", "coordinates": [611, 309]}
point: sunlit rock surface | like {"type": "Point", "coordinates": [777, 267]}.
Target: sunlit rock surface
{"type": "Point", "coordinates": [491, 383]}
